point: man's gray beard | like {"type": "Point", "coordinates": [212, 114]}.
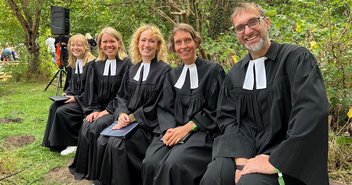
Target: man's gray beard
{"type": "Point", "coordinates": [256, 47]}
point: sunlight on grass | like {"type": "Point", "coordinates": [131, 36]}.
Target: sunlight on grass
{"type": "Point", "coordinates": [30, 163]}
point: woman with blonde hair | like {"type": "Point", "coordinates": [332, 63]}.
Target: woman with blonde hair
{"type": "Point", "coordinates": [65, 118]}
{"type": "Point", "coordinates": [120, 160]}
{"type": "Point", "coordinates": [105, 77]}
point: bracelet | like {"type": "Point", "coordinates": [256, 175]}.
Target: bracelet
{"type": "Point", "coordinates": [280, 177]}
{"type": "Point", "coordinates": [239, 167]}
{"type": "Point", "coordinates": [132, 118]}
{"type": "Point", "coordinates": [194, 127]}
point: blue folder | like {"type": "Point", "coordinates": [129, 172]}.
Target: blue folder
{"type": "Point", "coordinates": [120, 133]}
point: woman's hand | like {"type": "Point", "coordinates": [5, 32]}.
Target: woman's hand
{"type": "Point", "coordinates": [71, 99]}
{"type": "Point", "coordinates": [122, 121]}
{"type": "Point", "coordinates": [92, 117]}
{"type": "Point", "coordinates": [174, 135]}
{"type": "Point", "coordinates": [102, 113]}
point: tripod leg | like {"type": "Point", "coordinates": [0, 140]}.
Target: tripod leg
{"type": "Point", "coordinates": [51, 81]}
{"type": "Point", "coordinates": [59, 81]}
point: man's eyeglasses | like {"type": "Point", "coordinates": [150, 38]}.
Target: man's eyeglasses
{"type": "Point", "coordinates": [252, 23]}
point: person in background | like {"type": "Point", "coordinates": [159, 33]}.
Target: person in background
{"type": "Point", "coordinates": [105, 78]}
{"type": "Point", "coordinates": [50, 43]}
{"type": "Point", "coordinates": [119, 161]}
{"type": "Point", "coordinates": [91, 41]}
{"type": "Point", "coordinates": [65, 118]}
{"type": "Point", "coordinates": [272, 112]}
{"type": "Point", "coordinates": [7, 53]}
{"type": "Point", "coordinates": [187, 109]}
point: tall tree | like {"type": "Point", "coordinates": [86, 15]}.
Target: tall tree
{"type": "Point", "coordinates": [28, 14]}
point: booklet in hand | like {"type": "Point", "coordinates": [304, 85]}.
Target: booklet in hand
{"type": "Point", "coordinates": [58, 98]}
{"type": "Point", "coordinates": [122, 133]}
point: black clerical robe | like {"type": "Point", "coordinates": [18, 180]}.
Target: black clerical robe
{"type": "Point", "coordinates": [119, 161]}
{"type": "Point", "coordinates": [287, 120]}
{"type": "Point", "coordinates": [65, 120]}
{"type": "Point", "coordinates": [99, 92]}
{"type": "Point", "coordinates": [184, 164]}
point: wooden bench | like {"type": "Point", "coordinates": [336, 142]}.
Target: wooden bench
{"type": "Point", "coordinates": [4, 77]}
{"type": "Point", "coordinates": [331, 182]}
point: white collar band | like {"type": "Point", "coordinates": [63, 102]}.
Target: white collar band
{"type": "Point", "coordinates": [260, 74]}
{"type": "Point", "coordinates": [112, 65]}
{"type": "Point", "coordinates": [146, 69]}
{"type": "Point", "coordinates": [193, 74]}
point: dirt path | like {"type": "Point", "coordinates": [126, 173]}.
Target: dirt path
{"type": "Point", "coordinates": [63, 176]}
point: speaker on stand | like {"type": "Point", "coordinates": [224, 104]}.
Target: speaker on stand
{"type": "Point", "coordinates": [60, 20]}
{"type": "Point", "coordinates": [60, 26]}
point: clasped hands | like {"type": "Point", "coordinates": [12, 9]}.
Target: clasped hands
{"type": "Point", "coordinates": [174, 135]}
{"type": "Point", "coordinates": [258, 164]}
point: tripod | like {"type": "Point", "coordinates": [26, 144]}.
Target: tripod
{"type": "Point", "coordinates": [57, 75]}
{"type": "Point", "coordinates": [61, 56]}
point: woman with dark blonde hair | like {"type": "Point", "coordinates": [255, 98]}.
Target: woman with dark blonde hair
{"type": "Point", "coordinates": [105, 77]}
{"type": "Point", "coordinates": [120, 160]}
{"type": "Point", "coordinates": [181, 150]}
{"type": "Point", "coordinates": [65, 118]}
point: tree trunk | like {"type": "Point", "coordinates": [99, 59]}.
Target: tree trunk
{"type": "Point", "coordinates": [28, 14]}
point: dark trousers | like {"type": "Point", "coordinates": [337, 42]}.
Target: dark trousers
{"type": "Point", "coordinates": [221, 172]}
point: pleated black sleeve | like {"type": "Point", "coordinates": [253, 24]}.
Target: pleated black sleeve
{"type": "Point", "coordinates": [101, 89]}
{"type": "Point", "coordinates": [287, 120]}
{"type": "Point", "coordinates": [178, 106]}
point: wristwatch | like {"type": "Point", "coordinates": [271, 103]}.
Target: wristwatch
{"type": "Point", "coordinates": [132, 118]}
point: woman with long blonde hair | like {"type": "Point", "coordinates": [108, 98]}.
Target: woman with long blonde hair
{"type": "Point", "coordinates": [65, 118]}
{"type": "Point", "coordinates": [119, 160]}
{"type": "Point", "coordinates": [105, 79]}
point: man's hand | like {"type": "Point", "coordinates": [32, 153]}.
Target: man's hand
{"type": "Point", "coordinates": [239, 161]}
{"type": "Point", "coordinates": [258, 164]}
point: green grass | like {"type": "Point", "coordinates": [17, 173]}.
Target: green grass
{"type": "Point", "coordinates": [30, 163]}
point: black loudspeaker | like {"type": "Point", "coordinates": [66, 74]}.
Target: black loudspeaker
{"type": "Point", "coordinates": [60, 20]}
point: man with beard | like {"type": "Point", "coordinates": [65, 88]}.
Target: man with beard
{"type": "Point", "coordinates": [272, 112]}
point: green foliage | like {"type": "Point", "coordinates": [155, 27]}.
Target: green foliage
{"type": "Point", "coordinates": [11, 31]}
{"type": "Point", "coordinates": [324, 27]}
{"type": "Point", "coordinates": [17, 71]}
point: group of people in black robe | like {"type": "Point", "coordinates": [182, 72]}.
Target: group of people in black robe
{"type": "Point", "coordinates": [264, 123]}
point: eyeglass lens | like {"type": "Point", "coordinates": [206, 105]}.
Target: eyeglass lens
{"type": "Point", "coordinates": [252, 23]}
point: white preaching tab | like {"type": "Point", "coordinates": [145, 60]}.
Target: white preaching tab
{"type": "Point", "coordinates": [79, 66]}
{"type": "Point", "coordinates": [146, 70]}
{"type": "Point", "coordinates": [260, 74]}
{"type": "Point", "coordinates": [193, 76]}
{"type": "Point", "coordinates": [112, 65]}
